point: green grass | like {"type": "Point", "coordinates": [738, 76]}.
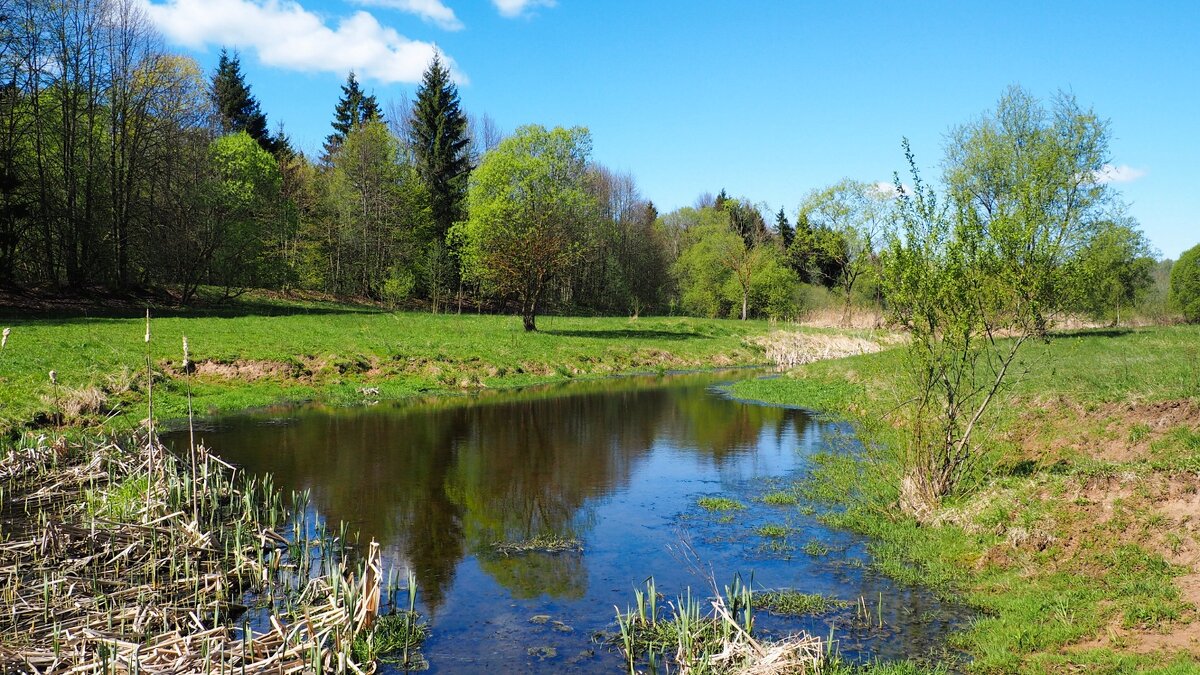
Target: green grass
{"type": "Point", "coordinates": [719, 504]}
{"type": "Point", "coordinates": [1024, 542]}
{"type": "Point", "coordinates": [305, 351]}
{"type": "Point", "coordinates": [794, 603]}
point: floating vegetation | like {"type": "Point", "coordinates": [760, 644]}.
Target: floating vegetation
{"type": "Point", "coordinates": [780, 499]}
{"type": "Point", "coordinates": [543, 543]}
{"type": "Point", "coordinates": [773, 530]}
{"type": "Point", "coordinates": [794, 603]}
{"type": "Point", "coordinates": [720, 640]}
{"type": "Point", "coordinates": [816, 548]}
{"type": "Point", "coordinates": [720, 504]}
{"type": "Point", "coordinates": [118, 558]}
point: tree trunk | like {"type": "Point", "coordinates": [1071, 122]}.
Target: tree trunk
{"type": "Point", "coordinates": [745, 302]}
{"type": "Point", "coordinates": [529, 319]}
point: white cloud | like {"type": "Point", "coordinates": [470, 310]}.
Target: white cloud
{"type": "Point", "coordinates": [515, 8]}
{"type": "Point", "coordinates": [886, 190]}
{"type": "Point", "coordinates": [432, 11]}
{"type": "Point", "coordinates": [1117, 174]}
{"type": "Point", "coordinates": [286, 35]}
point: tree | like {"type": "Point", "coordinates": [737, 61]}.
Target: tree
{"type": "Point", "coordinates": [441, 146]}
{"type": "Point", "coordinates": [528, 209]}
{"type": "Point", "coordinates": [1113, 269]}
{"type": "Point", "coordinates": [784, 230]}
{"type": "Point", "coordinates": [354, 108]}
{"type": "Point", "coordinates": [1028, 177]}
{"type": "Point", "coordinates": [1185, 284]}
{"type": "Point", "coordinates": [716, 270]}
{"type": "Point", "coordinates": [237, 109]}
{"type": "Point", "coordinates": [843, 223]}
{"type": "Point", "coordinates": [976, 277]}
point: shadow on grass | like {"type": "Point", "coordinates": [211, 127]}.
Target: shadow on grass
{"type": "Point", "coordinates": [1097, 332]}
{"type": "Point", "coordinates": [61, 306]}
{"type": "Point", "coordinates": [628, 334]}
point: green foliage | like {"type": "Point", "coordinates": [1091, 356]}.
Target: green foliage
{"type": "Point", "coordinates": [1113, 270]}
{"type": "Point", "coordinates": [718, 274]}
{"type": "Point", "coordinates": [1185, 284]}
{"type": "Point", "coordinates": [242, 198]}
{"type": "Point", "coordinates": [995, 259]}
{"type": "Point", "coordinates": [842, 224]}
{"type": "Point", "coordinates": [529, 212]}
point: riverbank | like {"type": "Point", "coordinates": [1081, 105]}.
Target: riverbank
{"type": "Point", "coordinates": [335, 353]}
{"type": "Point", "coordinates": [1080, 536]}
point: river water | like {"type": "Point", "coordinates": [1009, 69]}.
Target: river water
{"type": "Point", "coordinates": [618, 464]}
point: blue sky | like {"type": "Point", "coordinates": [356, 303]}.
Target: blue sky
{"type": "Point", "coordinates": [767, 99]}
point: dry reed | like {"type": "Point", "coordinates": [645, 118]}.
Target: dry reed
{"type": "Point", "coordinates": [159, 588]}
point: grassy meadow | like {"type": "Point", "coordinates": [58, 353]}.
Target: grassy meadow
{"type": "Point", "coordinates": [1079, 535]}
{"type": "Point", "coordinates": [340, 354]}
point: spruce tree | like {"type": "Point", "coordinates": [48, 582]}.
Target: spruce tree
{"type": "Point", "coordinates": [784, 229]}
{"type": "Point", "coordinates": [353, 109]}
{"type": "Point", "coordinates": [440, 144]}
{"type": "Point", "coordinates": [237, 108]}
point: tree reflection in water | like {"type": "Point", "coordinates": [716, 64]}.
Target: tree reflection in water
{"type": "Point", "coordinates": [437, 480]}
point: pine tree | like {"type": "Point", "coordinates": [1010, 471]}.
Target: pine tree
{"type": "Point", "coordinates": [722, 197]}
{"type": "Point", "coordinates": [784, 229]}
{"type": "Point", "coordinates": [236, 106]}
{"type": "Point", "coordinates": [353, 110]}
{"type": "Point", "coordinates": [441, 145]}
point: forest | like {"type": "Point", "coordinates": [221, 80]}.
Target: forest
{"type": "Point", "coordinates": [125, 168]}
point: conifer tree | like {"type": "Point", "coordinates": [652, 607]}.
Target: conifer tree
{"type": "Point", "coordinates": [236, 106]}
{"type": "Point", "coordinates": [784, 229]}
{"type": "Point", "coordinates": [441, 145]}
{"type": "Point", "coordinates": [354, 109]}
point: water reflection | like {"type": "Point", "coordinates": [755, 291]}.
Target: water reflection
{"type": "Point", "coordinates": [617, 464]}
{"type": "Point", "coordinates": [436, 482]}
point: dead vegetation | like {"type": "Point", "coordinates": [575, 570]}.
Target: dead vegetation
{"type": "Point", "coordinates": [119, 560]}
{"type": "Point", "coordinates": [789, 349]}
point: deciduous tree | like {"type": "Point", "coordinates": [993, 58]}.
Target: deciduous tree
{"type": "Point", "coordinates": [528, 207]}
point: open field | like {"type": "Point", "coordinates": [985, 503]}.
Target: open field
{"type": "Point", "coordinates": [1079, 537]}
{"type": "Point", "coordinates": [336, 353]}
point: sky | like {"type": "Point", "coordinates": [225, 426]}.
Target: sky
{"type": "Point", "coordinates": [767, 99]}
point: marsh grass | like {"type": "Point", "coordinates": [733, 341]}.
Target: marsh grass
{"type": "Point", "coordinates": [713, 635]}
{"type": "Point", "coordinates": [788, 602]}
{"type": "Point", "coordinates": [719, 504]}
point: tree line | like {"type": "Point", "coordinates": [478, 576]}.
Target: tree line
{"type": "Point", "coordinates": [124, 166]}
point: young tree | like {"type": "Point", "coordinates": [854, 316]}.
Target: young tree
{"type": "Point", "coordinates": [528, 208]}
{"type": "Point", "coordinates": [441, 147]}
{"type": "Point", "coordinates": [972, 280]}
{"type": "Point", "coordinates": [354, 108]}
